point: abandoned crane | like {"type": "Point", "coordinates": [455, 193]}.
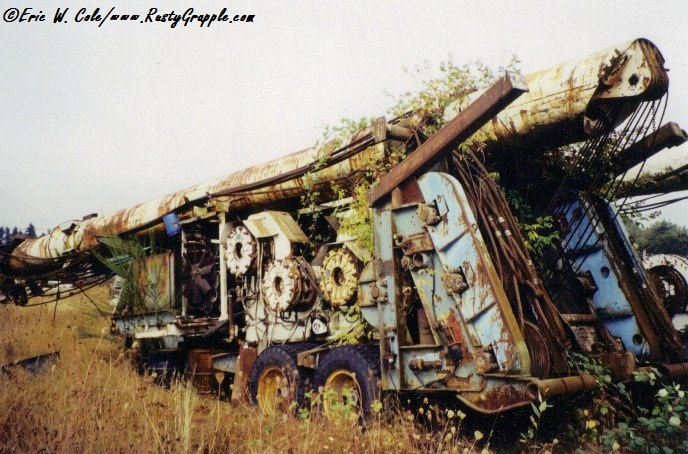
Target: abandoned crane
{"type": "Point", "coordinates": [245, 278]}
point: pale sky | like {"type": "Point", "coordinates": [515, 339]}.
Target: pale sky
{"type": "Point", "coordinates": [96, 119]}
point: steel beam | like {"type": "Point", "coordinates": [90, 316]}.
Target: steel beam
{"type": "Point", "coordinates": [480, 111]}
{"type": "Point", "coordinates": [667, 136]}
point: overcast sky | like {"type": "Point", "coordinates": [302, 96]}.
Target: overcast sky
{"type": "Point", "coordinates": [96, 119]}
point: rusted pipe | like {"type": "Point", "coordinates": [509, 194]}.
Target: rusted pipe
{"type": "Point", "coordinates": [673, 371]}
{"type": "Point", "coordinates": [565, 385]}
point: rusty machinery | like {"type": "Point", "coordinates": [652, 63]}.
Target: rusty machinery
{"type": "Point", "coordinates": [450, 299]}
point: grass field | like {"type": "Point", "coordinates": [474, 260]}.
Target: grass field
{"type": "Point", "coordinates": [93, 400]}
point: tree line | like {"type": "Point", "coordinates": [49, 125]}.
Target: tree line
{"type": "Point", "coordinates": [661, 237]}
{"type": "Point", "coordinates": [6, 234]}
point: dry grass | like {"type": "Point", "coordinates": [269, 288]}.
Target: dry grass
{"type": "Point", "coordinates": [93, 400]}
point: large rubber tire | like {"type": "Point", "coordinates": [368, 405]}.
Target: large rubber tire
{"type": "Point", "coordinates": [277, 384]}
{"type": "Point", "coordinates": [348, 378]}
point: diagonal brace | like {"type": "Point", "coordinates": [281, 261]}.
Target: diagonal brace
{"type": "Point", "coordinates": [473, 117]}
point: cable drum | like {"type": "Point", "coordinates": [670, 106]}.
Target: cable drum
{"type": "Point", "coordinates": [282, 285]}
{"type": "Point", "coordinates": [670, 273]}
{"type": "Point", "coordinates": [339, 279]}
{"type": "Point", "coordinates": [241, 251]}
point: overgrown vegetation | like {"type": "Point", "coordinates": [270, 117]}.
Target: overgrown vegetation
{"type": "Point", "coordinates": [356, 221]}
{"type": "Point", "coordinates": [436, 93]}
{"type": "Point", "coordinates": [140, 278]}
{"type": "Point", "coordinates": [423, 111]}
{"type": "Point", "coordinates": [648, 415]}
{"type": "Point", "coordinates": [93, 400]}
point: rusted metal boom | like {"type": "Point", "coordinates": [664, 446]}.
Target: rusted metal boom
{"type": "Point", "coordinates": [668, 136]}
{"type": "Point", "coordinates": [565, 103]}
{"type": "Point", "coordinates": [662, 183]}
{"type": "Point", "coordinates": [562, 106]}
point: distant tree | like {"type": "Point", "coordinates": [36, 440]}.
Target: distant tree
{"type": "Point", "coordinates": [15, 231]}
{"type": "Point", "coordinates": [662, 237]}
{"type": "Point", "coordinates": [31, 230]}
{"type": "Point", "coordinates": [7, 234]}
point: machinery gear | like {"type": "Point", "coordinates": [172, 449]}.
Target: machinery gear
{"type": "Point", "coordinates": [241, 251]}
{"type": "Point", "coordinates": [339, 280]}
{"type": "Point", "coordinates": [283, 284]}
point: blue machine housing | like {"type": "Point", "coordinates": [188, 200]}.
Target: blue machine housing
{"type": "Point", "coordinates": [595, 243]}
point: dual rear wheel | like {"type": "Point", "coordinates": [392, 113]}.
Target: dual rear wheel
{"type": "Point", "coordinates": [347, 380]}
{"type": "Point", "coordinates": [277, 383]}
